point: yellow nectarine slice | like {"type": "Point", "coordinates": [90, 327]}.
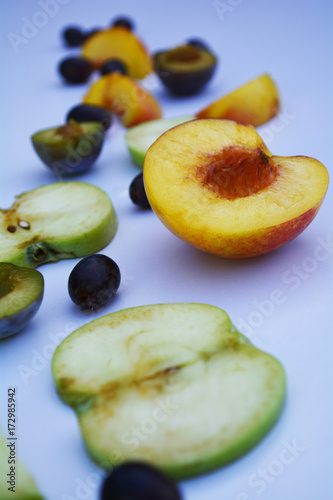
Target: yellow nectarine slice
{"type": "Point", "coordinates": [123, 96]}
{"type": "Point", "coordinates": [119, 43]}
{"type": "Point", "coordinates": [215, 185]}
{"type": "Point", "coordinates": [96, 92]}
{"type": "Point", "coordinates": [254, 103]}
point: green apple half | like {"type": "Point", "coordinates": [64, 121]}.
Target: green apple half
{"type": "Point", "coordinates": [24, 485]}
{"type": "Point", "coordinates": [171, 384]}
{"type": "Point", "coordinates": [63, 220]}
{"type": "Point", "coordinates": [140, 137]}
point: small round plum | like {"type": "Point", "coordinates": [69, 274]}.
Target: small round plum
{"type": "Point", "coordinates": [94, 282]}
{"type": "Point", "coordinates": [137, 192]}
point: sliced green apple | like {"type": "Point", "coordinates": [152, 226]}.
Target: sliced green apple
{"type": "Point", "coordinates": [18, 478]}
{"type": "Point", "coordinates": [59, 221]}
{"type": "Point", "coordinates": [21, 294]}
{"type": "Point", "coordinates": [170, 384]}
{"type": "Point", "coordinates": [140, 137]}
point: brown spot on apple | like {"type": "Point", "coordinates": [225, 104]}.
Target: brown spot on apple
{"type": "Point", "coordinates": [65, 383]}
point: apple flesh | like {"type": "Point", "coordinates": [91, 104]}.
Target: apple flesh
{"type": "Point", "coordinates": [216, 186]}
{"type": "Point", "coordinates": [140, 137]}
{"type": "Point", "coordinates": [174, 385]}
{"type": "Point", "coordinates": [25, 487]}
{"type": "Point", "coordinates": [254, 103]}
{"type": "Point", "coordinates": [123, 96]}
{"type": "Point", "coordinates": [64, 220]}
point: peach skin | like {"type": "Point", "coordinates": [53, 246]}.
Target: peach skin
{"type": "Point", "coordinates": [254, 103]}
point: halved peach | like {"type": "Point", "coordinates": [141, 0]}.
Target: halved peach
{"type": "Point", "coordinates": [254, 103]}
{"type": "Point", "coordinates": [118, 43]}
{"type": "Point", "coordinates": [215, 185]}
{"type": "Point", "coordinates": [123, 96]}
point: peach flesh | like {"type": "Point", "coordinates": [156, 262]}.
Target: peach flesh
{"type": "Point", "coordinates": [237, 172]}
{"type": "Point", "coordinates": [185, 188]}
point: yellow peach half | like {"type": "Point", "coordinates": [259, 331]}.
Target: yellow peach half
{"type": "Point", "coordinates": [216, 186]}
{"type": "Point", "coordinates": [254, 103]}
{"type": "Point", "coordinates": [123, 96]}
{"type": "Point", "coordinates": [119, 43]}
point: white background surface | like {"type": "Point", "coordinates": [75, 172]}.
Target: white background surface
{"type": "Point", "coordinates": [292, 42]}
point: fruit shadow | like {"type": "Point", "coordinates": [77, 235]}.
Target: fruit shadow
{"type": "Point", "coordinates": [41, 174]}
{"type": "Point", "coordinates": [192, 264]}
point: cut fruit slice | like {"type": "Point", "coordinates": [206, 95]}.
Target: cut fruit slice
{"type": "Point", "coordinates": [254, 103]}
{"type": "Point", "coordinates": [185, 69]}
{"type": "Point", "coordinates": [123, 96]}
{"type": "Point", "coordinates": [119, 43]}
{"type": "Point", "coordinates": [24, 486]}
{"type": "Point", "coordinates": [21, 294]}
{"type": "Point", "coordinates": [170, 384]}
{"type": "Point", "coordinates": [215, 185]}
{"type": "Point", "coordinates": [141, 137]}
{"type": "Point", "coordinates": [64, 220]}
{"type": "Point", "coordinates": [70, 149]}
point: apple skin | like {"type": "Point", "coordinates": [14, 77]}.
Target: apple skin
{"type": "Point", "coordinates": [243, 225]}
{"type": "Point", "coordinates": [140, 137]}
{"type": "Point", "coordinates": [213, 462]}
{"type": "Point", "coordinates": [254, 103]}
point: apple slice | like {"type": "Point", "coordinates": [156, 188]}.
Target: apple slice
{"type": "Point", "coordinates": [140, 137]}
{"type": "Point", "coordinates": [21, 294]}
{"type": "Point", "coordinates": [123, 96]}
{"type": "Point", "coordinates": [119, 43]}
{"type": "Point", "coordinates": [18, 478]}
{"type": "Point", "coordinates": [254, 103]}
{"type": "Point", "coordinates": [215, 185]}
{"type": "Point", "coordinates": [64, 220]}
{"type": "Point", "coordinates": [170, 384]}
